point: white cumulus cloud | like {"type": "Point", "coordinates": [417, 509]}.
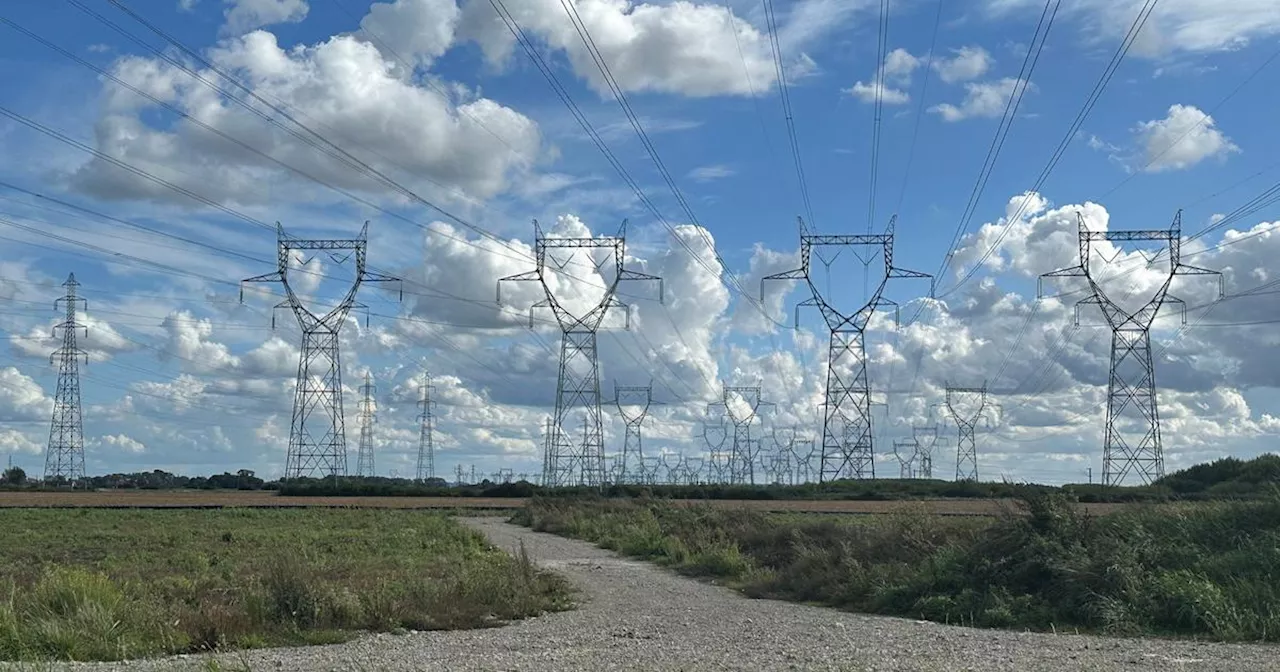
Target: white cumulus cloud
{"type": "Point", "coordinates": [243, 16]}
{"type": "Point", "coordinates": [1184, 137]}
{"type": "Point", "coordinates": [983, 99]}
{"type": "Point", "coordinates": [967, 63]}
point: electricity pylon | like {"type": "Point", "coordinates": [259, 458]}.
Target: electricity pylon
{"type": "Point", "coordinates": [633, 404]}
{"type": "Point", "coordinates": [426, 440]}
{"type": "Point", "coordinates": [64, 459]}
{"type": "Point", "coordinates": [926, 438]}
{"type": "Point", "coordinates": [318, 443]}
{"type": "Point", "coordinates": [1132, 442]}
{"type": "Point", "coordinates": [578, 383]}
{"type": "Point", "coordinates": [847, 449]}
{"type": "Point", "coordinates": [716, 434]}
{"type": "Point", "coordinates": [741, 406]}
{"type": "Point", "coordinates": [907, 451]}
{"type": "Point", "coordinates": [966, 406]}
{"type": "Point", "coordinates": [367, 415]}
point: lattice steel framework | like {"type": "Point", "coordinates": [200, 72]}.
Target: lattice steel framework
{"type": "Point", "coordinates": [966, 406]}
{"type": "Point", "coordinates": [633, 404]}
{"type": "Point", "coordinates": [740, 466]}
{"type": "Point", "coordinates": [317, 433]}
{"type": "Point", "coordinates": [1132, 442]}
{"type": "Point", "coordinates": [715, 434]}
{"type": "Point", "coordinates": [578, 382]}
{"type": "Point", "coordinates": [907, 452]}
{"type": "Point", "coordinates": [367, 415]}
{"type": "Point", "coordinates": [64, 458]}
{"type": "Point", "coordinates": [926, 438]}
{"type": "Point", "coordinates": [426, 431]}
{"type": "Point", "coordinates": [847, 449]}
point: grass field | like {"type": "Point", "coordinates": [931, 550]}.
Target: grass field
{"type": "Point", "coordinates": [91, 584]}
{"type": "Point", "coordinates": [1205, 569]}
{"type": "Point", "coordinates": [214, 499]}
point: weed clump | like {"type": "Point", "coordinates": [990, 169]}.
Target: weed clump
{"type": "Point", "coordinates": [1203, 569]}
{"type": "Point", "coordinates": [108, 585]}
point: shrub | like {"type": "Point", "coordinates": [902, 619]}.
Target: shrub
{"type": "Point", "coordinates": [1183, 569]}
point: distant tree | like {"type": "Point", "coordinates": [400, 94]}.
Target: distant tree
{"type": "Point", "coordinates": [15, 476]}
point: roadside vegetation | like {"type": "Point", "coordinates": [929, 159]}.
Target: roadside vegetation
{"type": "Point", "coordinates": [1228, 478]}
{"type": "Point", "coordinates": [93, 584]}
{"type": "Point", "coordinates": [1206, 570]}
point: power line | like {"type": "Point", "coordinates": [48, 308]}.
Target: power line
{"type": "Point", "coordinates": [784, 95]}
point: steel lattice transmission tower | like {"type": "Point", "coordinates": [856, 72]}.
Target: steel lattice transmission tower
{"type": "Point", "coordinates": [1132, 442]}
{"type": "Point", "coordinates": [847, 449]}
{"type": "Point", "coordinates": [578, 382]}
{"type": "Point", "coordinates": [966, 406]}
{"type": "Point", "coordinates": [926, 438]}
{"type": "Point", "coordinates": [426, 440]}
{"type": "Point", "coordinates": [64, 459]}
{"type": "Point", "coordinates": [367, 415]}
{"type": "Point", "coordinates": [317, 433]}
{"type": "Point", "coordinates": [907, 452]}
{"type": "Point", "coordinates": [741, 405]}
{"type": "Point", "coordinates": [633, 404]}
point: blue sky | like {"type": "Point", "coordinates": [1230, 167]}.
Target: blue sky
{"type": "Point", "coordinates": [435, 95]}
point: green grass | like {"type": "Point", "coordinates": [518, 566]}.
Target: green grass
{"type": "Point", "coordinates": [1208, 570]}
{"type": "Point", "coordinates": [113, 584]}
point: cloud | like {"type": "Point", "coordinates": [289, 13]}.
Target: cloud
{"type": "Point", "coordinates": [419, 31]}
{"type": "Point", "coordinates": [124, 443]}
{"type": "Point", "coordinates": [983, 99]}
{"type": "Point", "coordinates": [967, 63]}
{"type": "Point", "coordinates": [686, 48]}
{"type": "Point", "coordinates": [243, 16]}
{"type": "Point", "coordinates": [14, 441]}
{"type": "Point", "coordinates": [712, 172]}
{"type": "Point", "coordinates": [434, 143]}
{"type": "Point", "coordinates": [1185, 137]}
{"type": "Point", "coordinates": [1188, 26]}
{"type": "Point", "coordinates": [97, 338]}
{"type": "Point", "coordinates": [894, 72]}
{"type": "Point", "coordinates": [22, 398]}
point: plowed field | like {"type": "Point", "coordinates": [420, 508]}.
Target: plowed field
{"type": "Point", "coordinates": [219, 499]}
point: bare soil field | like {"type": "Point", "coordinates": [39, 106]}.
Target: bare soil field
{"type": "Point", "coordinates": [214, 499]}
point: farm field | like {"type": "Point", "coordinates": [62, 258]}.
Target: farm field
{"type": "Point", "coordinates": [214, 499]}
{"type": "Point", "coordinates": [98, 584]}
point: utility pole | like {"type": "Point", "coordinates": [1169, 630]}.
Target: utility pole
{"type": "Point", "coordinates": [367, 415]}
{"type": "Point", "coordinates": [847, 450]}
{"type": "Point", "coordinates": [967, 405]}
{"type": "Point", "coordinates": [64, 459]}
{"type": "Point", "coordinates": [578, 383]}
{"type": "Point", "coordinates": [426, 441]}
{"type": "Point", "coordinates": [1132, 442]}
{"type": "Point", "coordinates": [317, 433]}
{"type": "Point", "coordinates": [633, 406]}
{"type": "Point", "coordinates": [741, 405]}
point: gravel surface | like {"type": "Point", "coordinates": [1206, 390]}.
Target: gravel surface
{"type": "Point", "coordinates": [635, 616]}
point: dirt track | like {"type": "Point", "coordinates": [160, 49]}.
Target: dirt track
{"type": "Point", "coordinates": [214, 499]}
{"type": "Point", "coordinates": [637, 616]}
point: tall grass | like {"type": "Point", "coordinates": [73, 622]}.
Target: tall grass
{"type": "Point", "coordinates": [1207, 570]}
{"type": "Point", "coordinates": [110, 585]}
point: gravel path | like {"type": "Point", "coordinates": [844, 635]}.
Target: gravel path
{"type": "Point", "coordinates": [635, 616]}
